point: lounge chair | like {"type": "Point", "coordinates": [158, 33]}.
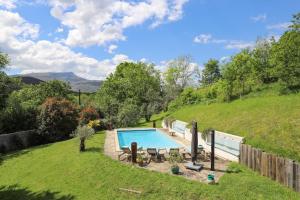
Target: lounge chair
{"type": "Point", "coordinates": [173, 151]}
{"type": "Point", "coordinates": [152, 152]}
{"type": "Point", "coordinates": [126, 152]}
{"type": "Point", "coordinates": [162, 153]}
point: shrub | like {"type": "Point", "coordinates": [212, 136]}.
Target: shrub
{"type": "Point", "coordinates": [95, 124]}
{"type": "Point", "coordinates": [17, 117]}
{"type": "Point", "coordinates": [88, 114]}
{"type": "Point", "coordinates": [58, 118]}
{"type": "Point", "coordinates": [83, 132]}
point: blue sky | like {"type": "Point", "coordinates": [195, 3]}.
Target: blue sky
{"type": "Point", "coordinates": [90, 38]}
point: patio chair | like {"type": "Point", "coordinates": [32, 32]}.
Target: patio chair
{"type": "Point", "coordinates": [162, 153]}
{"type": "Point", "coordinates": [152, 152]}
{"type": "Point", "coordinates": [173, 151]}
{"type": "Point", "coordinates": [126, 152]}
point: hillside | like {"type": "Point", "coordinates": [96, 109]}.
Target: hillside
{"type": "Point", "coordinates": [75, 81]}
{"type": "Point", "coordinates": [269, 122]}
{"type": "Point", "coordinates": [59, 171]}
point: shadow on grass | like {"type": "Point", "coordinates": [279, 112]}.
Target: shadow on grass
{"type": "Point", "coordinates": [14, 192]}
{"type": "Point", "coordinates": [94, 149]}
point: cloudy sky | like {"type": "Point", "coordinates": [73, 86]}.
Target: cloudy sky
{"type": "Point", "coordinates": [90, 37]}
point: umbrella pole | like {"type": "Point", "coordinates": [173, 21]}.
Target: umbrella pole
{"type": "Point", "coordinates": [212, 156]}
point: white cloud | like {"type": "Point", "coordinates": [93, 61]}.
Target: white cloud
{"type": "Point", "coordinates": [259, 18]}
{"type": "Point", "coordinates": [239, 45]}
{"type": "Point", "coordinates": [17, 38]}
{"type": "Point", "coordinates": [279, 26]}
{"type": "Point", "coordinates": [229, 44]}
{"type": "Point", "coordinates": [59, 30]}
{"type": "Point", "coordinates": [94, 22]}
{"type": "Point", "coordinates": [112, 48]}
{"type": "Point", "coordinates": [224, 59]}
{"type": "Point", "coordinates": [206, 39]}
{"type": "Point", "coordinates": [8, 4]}
{"type": "Point", "coordinates": [203, 38]}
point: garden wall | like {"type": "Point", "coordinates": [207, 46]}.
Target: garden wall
{"type": "Point", "coordinates": [227, 146]}
{"type": "Point", "coordinates": [19, 140]}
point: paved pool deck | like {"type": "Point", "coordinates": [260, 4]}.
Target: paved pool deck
{"type": "Point", "coordinates": [164, 167]}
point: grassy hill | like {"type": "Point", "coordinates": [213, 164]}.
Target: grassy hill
{"type": "Point", "coordinates": [59, 172]}
{"type": "Point", "coordinates": [266, 120]}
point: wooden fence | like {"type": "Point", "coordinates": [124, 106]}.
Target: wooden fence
{"type": "Point", "coordinates": [282, 170]}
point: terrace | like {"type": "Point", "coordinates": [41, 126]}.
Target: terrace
{"type": "Point", "coordinates": [111, 149]}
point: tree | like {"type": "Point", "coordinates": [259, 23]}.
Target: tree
{"type": "Point", "coordinates": [35, 95]}
{"type": "Point", "coordinates": [238, 73]}
{"type": "Point", "coordinates": [262, 67]}
{"type": "Point", "coordinates": [211, 72]}
{"type": "Point", "coordinates": [58, 118]}
{"type": "Point", "coordinates": [87, 114]}
{"type": "Point", "coordinates": [137, 83]}
{"type": "Point", "coordinates": [83, 132]}
{"type": "Point", "coordinates": [286, 56]}
{"type": "Point", "coordinates": [4, 60]}
{"type": "Point", "coordinates": [180, 74]}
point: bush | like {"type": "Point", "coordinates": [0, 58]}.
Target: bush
{"type": "Point", "coordinates": [88, 114]}
{"type": "Point", "coordinates": [58, 119]}
{"type": "Point", "coordinates": [17, 117]}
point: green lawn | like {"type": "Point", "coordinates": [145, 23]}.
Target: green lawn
{"type": "Point", "coordinates": [268, 122]}
{"type": "Point", "coordinates": [59, 171]}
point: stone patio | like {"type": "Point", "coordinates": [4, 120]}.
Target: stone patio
{"type": "Point", "coordinates": [164, 167]}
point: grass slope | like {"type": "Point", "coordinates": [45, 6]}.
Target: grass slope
{"type": "Point", "coordinates": [268, 122]}
{"type": "Point", "coordinates": [59, 171]}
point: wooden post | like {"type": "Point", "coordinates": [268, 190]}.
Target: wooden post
{"type": "Point", "coordinates": [194, 145]}
{"type": "Point", "coordinates": [79, 100]}
{"type": "Point", "coordinates": [133, 151]}
{"type": "Point", "coordinates": [154, 124]}
{"type": "Point", "coordinates": [212, 156]}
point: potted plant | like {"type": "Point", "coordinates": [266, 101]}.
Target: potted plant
{"type": "Point", "coordinates": [174, 159]}
{"type": "Point", "coordinates": [175, 169]}
{"type": "Point", "coordinates": [140, 160]}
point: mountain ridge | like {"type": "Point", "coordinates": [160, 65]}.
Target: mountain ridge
{"type": "Point", "coordinates": [76, 82]}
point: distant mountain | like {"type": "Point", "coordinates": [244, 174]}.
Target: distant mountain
{"type": "Point", "coordinates": [30, 80]}
{"type": "Point", "coordinates": [75, 81]}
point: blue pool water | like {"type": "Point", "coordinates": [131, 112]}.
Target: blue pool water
{"type": "Point", "coordinates": [146, 138]}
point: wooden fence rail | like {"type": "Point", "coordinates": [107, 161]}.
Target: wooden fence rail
{"type": "Point", "coordinates": [282, 170]}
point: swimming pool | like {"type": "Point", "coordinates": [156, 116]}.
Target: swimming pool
{"type": "Point", "coordinates": [146, 138]}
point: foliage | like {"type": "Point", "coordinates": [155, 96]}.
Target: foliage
{"type": "Point", "coordinates": [4, 60]}
{"type": "Point", "coordinates": [88, 114]}
{"type": "Point", "coordinates": [95, 124]}
{"type": "Point", "coordinates": [134, 88]}
{"type": "Point", "coordinates": [84, 132]}
{"type": "Point", "coordinates": [128, 114]}
{"type": "Point", "coordinates": [57, 118]}
{"type": "Point", "coordinates": [175, 158]}
{"type": "Point", "coordinates": [286, 59]}
{"type": "Point", "coordinates": [7, 86]}
{"type": "Point", "coordinates": [16, 117]}
{"type": "Point", "coordinates": [211, 72]}
{"type": "Point", "coordinates": [35, 95]}
{"type": "Point", "coordinates": [179, 75]}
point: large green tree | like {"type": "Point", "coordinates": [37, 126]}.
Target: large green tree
{"type": "Point", "coordinates": [181, 73]}
{"type": "Point", "coordinates": [211, 72]}
{"type": "Point", "coordinates": [286, 56]}
{"type": "Point", "coordinates": [262, 67]}
{"type": "Point", "coordinates": [239, 73]}
{"type": "Point", "coordinates": [135, 84]}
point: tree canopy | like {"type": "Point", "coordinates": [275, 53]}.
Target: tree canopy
{"type": "Point", "coordinates": [133, 90]}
